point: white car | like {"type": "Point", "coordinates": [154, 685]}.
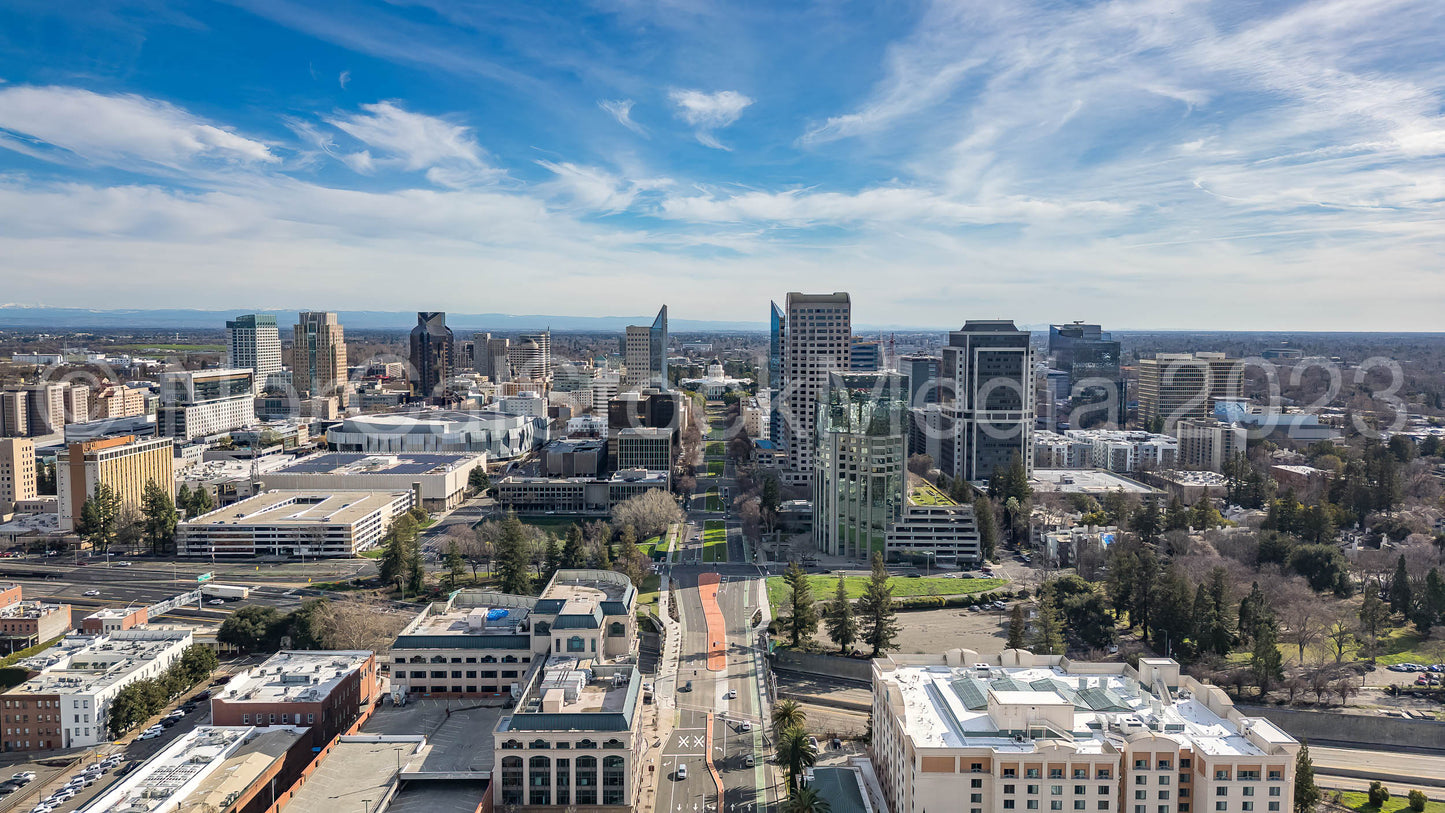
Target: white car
{"type": "Point", "coordinates": [122, 564]}
{"type": "Point", "coordinates": [92, 592]}
{"type": "Point", "coordinates": [681, 772]}
{"type": "Point", "coordinates": [746, 726]}
{"type": "Point", "coordinates": [732, 694]}
{"type": "Point", "coordinates": [24, 776]}
{"type": "Point", "coordinates": [217, 602]}
{"type": "Point", "coordinates": [148, 735]}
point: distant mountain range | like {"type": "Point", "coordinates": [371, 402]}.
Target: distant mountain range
{"type": "Point", "coordinates": [41, 317]}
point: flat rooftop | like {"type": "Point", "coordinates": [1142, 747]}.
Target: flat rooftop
{"type": "Point", "coordinates": [1084, 481]}
{"type": "Point", "coordinates": [299, 508]}
{"type": "Point", "coordinates": [570, 685]}
{"type": "Point", "coordinates": [578, 592]}
{"type": "Point", "coordinates": [410, 463]}
{"type": "Point", "coordinates": [948, 707]}
{"type": "Point", "coordinates": [471, 621]}
{"type": "Point", "coordinates": [358, 770]}
{"type": "Point", "coordinates": [293, 677]}
{"type": "Point", "coordinates": [202, 766]}
{"type": "Point", "coordinates": [30, 609]}
{"type": "Point", "coordinates": [86, 664]}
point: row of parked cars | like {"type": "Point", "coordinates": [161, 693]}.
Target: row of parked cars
{"type": "Point", "coordinates": [1416, 667]}
{"type": "Point", "coordinates": [169, 720]}
{"type": "Point", "coordinates": [76, 784]}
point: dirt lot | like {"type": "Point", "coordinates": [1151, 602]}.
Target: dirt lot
{"type": "Point", "coordinates": [932, 631]}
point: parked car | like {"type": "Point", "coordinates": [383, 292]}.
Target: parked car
{"type": "Point", "coordinates": [148, 735]}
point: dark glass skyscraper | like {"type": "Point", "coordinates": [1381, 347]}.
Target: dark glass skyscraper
{"type": "Point", "coordinates": [432, 355]}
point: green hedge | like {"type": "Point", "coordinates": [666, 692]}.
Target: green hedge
{"type": "Point", "coordinates": [16, 657]}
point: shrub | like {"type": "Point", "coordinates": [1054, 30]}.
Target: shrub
{"type": "Point", "coordinates": [1378, 793]}
{"type": "Point", "coordinates": [1417, 800]}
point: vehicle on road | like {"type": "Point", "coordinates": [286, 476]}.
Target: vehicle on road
{"type": "Point", "coordinates": [686, 687]}
{"type": "Point", "coordinates": [92, 592]}
{"type": "Point", "coordinates": [746, 726]}
{"type": "Point", "coordinates": [681, 772]}
{"type": "Point", "coordinates": [748, 761]}
{"type": "Point", "coordinates": [148, 735]}
{"type": "Point", "coordinates": [23, 776]}
{"type": "Point", "coordinates": [217, 602]}
{"type": "Point", "coordinates": [122, 564]}
{"type": "Point", "coordinates": [732, 694]}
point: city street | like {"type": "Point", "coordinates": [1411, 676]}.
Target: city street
{"type": "Point", "coordinates": [738, 727]}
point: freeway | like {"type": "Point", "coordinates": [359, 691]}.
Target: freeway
{"type": "Point", "coordinates": [731, 695]}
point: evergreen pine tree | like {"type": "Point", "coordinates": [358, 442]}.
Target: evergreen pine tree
{"type": "Point", "coordinates": [802, 614]}
{"type": "Point", "coordinates": [1266, 662]}
{"type": "Point", "coordinates": [1400, 598]}
{"type": "Point", "coordinates": [1306, 792]}
{"type": "Point", "coordinates": [838, 618]}
{"type": "Point", "coordinates": [456, 564]}
{"type": "Point", "coordinates": [1017, 627]}
{"type": "Point", "coordinates": [160, 516]}
{"type": "Point", "coordinates": [880, 625]}
{"type": "Point", "coordinates": [987, 526]}
{"type": "Point", "coordinates": [1177, 517]}
{"type": "Point", "coordinates": [574, 554]}
{"type": "Point", "coordinates": [513, 559]}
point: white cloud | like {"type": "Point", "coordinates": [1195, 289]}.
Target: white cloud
{"type": "Point", "coordinates": [344, 79]}
{"type": "Point", "coordinates": [413, 141]}
{"type": "Point", "coordinates": [121, 130]}
{"type": "Point", "coordinates": [800, 208]}
{"type": "Point", "coordinates": [621, 109]}
{"type": "Point", "coordinates": [709, 111]}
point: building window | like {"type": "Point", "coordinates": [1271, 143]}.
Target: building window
{"type": "Point", "coordinates": [1248, 790]}
{"type": "Point", "coordinates": [1221, 805]}
{"type": "Point", "coordinates": [1008, 788]}
{"type": "Point", "coordinates": [511, 780]}
{"type": "Point", "coordinates": [1032, 804]}
{"type": "Point", "coordinates": [1056, 773]}
{"type": "Point", "coordinates": [1221, 791]}
{"type": "Point", "coordinates": [1185, 763]}
{"type": "Point", "coordinates": [1275, 776]}
{"type": "Point", "coordinates": [1033, 773]}
{"type": "Point", "coordinates": [975, 798]}
{"type": "Point", "coordinates": [1141, 794]}
{"type": "Point", "coordinates": [975, 767]}
{"type": "Point", "coordinates": [586, 780]}
{"type": "Point", "coordinates": [1103, 804]}
{"type": "Point", "coordinates": [1163, 794]}
{"type": "Point", "coordinates": [1104, 773]}
{"type": "Point", "coordinates": [1008, 804]}
{"type": "Point", "coordinates": [1274, 791]}
{"type": "Point", "coordinates": [1033, 789]}
{"type": "Point", "coordinates": [1056, 790]}
{"type": "Point", "coordinates": [1009, 773]}
{"type": "Point", "coordinates": [310, 718]}
{"type": "Point", "coordinates": [1164, 780]}
{"type": "Point", "coordinates": [1141, 764]}
{"type": "Point", "coordinates": [1080, 790]}
{"type": "Point", "coordinates": [1164, 765]}
{"type": "Point", "coordinates": [1103, 790]}
{"type": "Point", "coordinates": [1141, 779]}
{"type": "Point", "coordinates": [539, 781]}
{"type": "Point", "coordinates": [1078, 804]}
{"type": "Point", "coordinates": [975, 783]}
{"type": "Point", "coordinates": [1273, 806]}
{"type": "Point", "coordinates": [1221, 776]}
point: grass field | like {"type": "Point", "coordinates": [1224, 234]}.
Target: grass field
{"type": "Point", "coordinates": [1356, 800]}
{"type": "Point", "coordinates": [179, 348]}
{"type": "Point", "coordinates": [714, 541]}
{"type": "Point", "coordinates": [715, 468]}
{"type": "Point", "coordinates": [372, 553]}
{"type": "Point", "coordinates": [824, 586]}
{"type": "Point", "coordinates": [926, 494]}
{"type": "Point", "coordinates": [716, 448]}
{"type": "Point", "coordinates": [713, 501]}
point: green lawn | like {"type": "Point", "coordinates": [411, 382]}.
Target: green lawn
{"type": "Point", "coordinates": [1356, 800]}
{"type": "Point", "coordinates": [372, 553]}
{"type": "Point", "coordinates": [713, 501]}
{"type": "Point", "coordinates": [715, 448]}
{"type": "Point", "coordinates": [647, 591]}
{"type": "Point", "coordinates": [926, 494]}
{"type": "Point", "coordinates": [824, 586]}
{"type": "Point", "coordinates": [714, 541]}
{"type": "Point", "coordinates": [715, 468]}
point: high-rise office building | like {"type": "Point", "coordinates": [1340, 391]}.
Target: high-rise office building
{"type": "Point", "coordinates": [816, 337]}
{"type": "Point", "coordinates": [1090, 356]}
{"type": "Point", "coordinates": [431, 355]}
{"type": "Point", "coordinates": [922, 372]}
{"type": "Point", "coordinates": [865, 355]}
{"type": "Point", "coordinates": [125, 464]}
{"type": "Point", "coordinates": [776, 321]}
{"type": "Point", "coordinates": [1179, 386]}
{"type": "Point", "coordinates": [253, 343]}
{"type": "Point", "coordinates": [530, 356]}
{"type": "Point", "coordinates": [33, 410]}
{"type": "Point", "coordinates": [990, 415]}
{"type": "Point", "coordinates": [17, 473]}
{"type": "Point", "coordinates": [645, 354]}
{"type": "Point", "coordinates": [860, 463]}
{"type": "Point", "coordinates": [318, 356]}
{"type": "Point", "coordinates": [490, 357]}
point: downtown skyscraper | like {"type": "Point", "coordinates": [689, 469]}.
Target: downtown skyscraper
{"type": "Point", "coordinates": [816, 334]}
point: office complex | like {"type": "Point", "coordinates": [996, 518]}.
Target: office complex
{"type": "Point", "coordinates": [253, 343]}
{"type": "Point", "coordinates": [118, 401]}
{"type": "Point", "coordinates": [1116, 450]}
{"type": "Point", "coordinates": [865, 355]}
{"type": "Point", "coordinates": [530, 356]}
{"type": "Point", "coordinates": [1178, 386]}
{"type": "Point", "coordinates": [125, 464]}
{"type": "Point", "coordinates": [816, 335]}
{"type": "Point", "coordinates": [1090, 358]}
{"type": "Point", "coordinates": [301, 524]}
{"type": "Point", "coordinates": [499, 436]}
{"type": "Point", "coordinates": [432, 356]}
{"type": "Point", "coordinates": [989, 416]}
{"type": "Point", "coordinates": [17, 474]}
{"type": "Point", "coordinates": [645, 354]}
{"type": "Point", "coordinates": [595, 496]}
{"type": "Point", "coordinates": [67, 703]}
{"type": "Point", "coordinates": [923, 373]}
{"type": "Point", "coordinates": [861, 458]}
{"type": "Point", "coordinates": [574, 737]}
{"type": "Point", "coordinates": [204, 403]}
{"type": "Point", "coordinates": [324, 690]}
{"type": "Point", "coordinates": [648, 408]}
{"type": "Point", "coordinates": [318, 356]}
{"type": "Point", "coordinates": [645, 447]}
{"type": "Point", "coordinates": [491, 357]}
{"type": "Point", "coordinates": [439, 479]}
{"type": "Point", "coordinates": [975, 733]}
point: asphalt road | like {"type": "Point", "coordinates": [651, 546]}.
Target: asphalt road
{"type": "Point", "coordinates": [744, 788]}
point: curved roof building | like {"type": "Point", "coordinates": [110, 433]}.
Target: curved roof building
{"type": "Point", "coordinates": [441, 430]}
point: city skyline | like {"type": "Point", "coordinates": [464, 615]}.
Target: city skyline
{"type": "Point", "coordinates": [933, 159]}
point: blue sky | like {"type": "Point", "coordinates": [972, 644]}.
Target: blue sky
{"type": "Point", "coordinates": [1182, 164]}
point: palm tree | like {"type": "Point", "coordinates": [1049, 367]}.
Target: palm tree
{"type": "Point", "coordinates": [806, 800]}
{"type": "Point", "coordinates": [795, 753]}
{"type": "Point", "coordinates": [788, 714]}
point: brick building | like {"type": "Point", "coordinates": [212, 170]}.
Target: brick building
{"type": "Point", "coordinates": [323, 690]}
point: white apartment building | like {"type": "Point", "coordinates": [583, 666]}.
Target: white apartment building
{"type": "Point", "coordinates": [816, 338]}
{"type": "Point", "coordinates": [1013, 731]}
{"type": "Point", "coordinates": [294, 523]}
{"type": "Point", "coordinates": [1111, 449]}
{"type": "Point", "coordinates": [70, 699]}
{"type": "Point", "coordinates": [1206, 444]}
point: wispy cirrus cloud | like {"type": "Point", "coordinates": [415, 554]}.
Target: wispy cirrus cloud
{"type": "Point", "coordinates": [124, 130]}
{"type": "Point", "coordinates": [621, 109]}
{"type": "Point", "coordinates": [447, 151]}
{"type": "Point", "coordinates": [709, 111]}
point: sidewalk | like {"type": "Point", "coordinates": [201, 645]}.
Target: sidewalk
{"type": "Point", "coordinates": [660, 718]}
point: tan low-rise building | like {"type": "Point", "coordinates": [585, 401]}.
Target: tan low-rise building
{"type": "Point", "coordinates": [1016, 731]}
